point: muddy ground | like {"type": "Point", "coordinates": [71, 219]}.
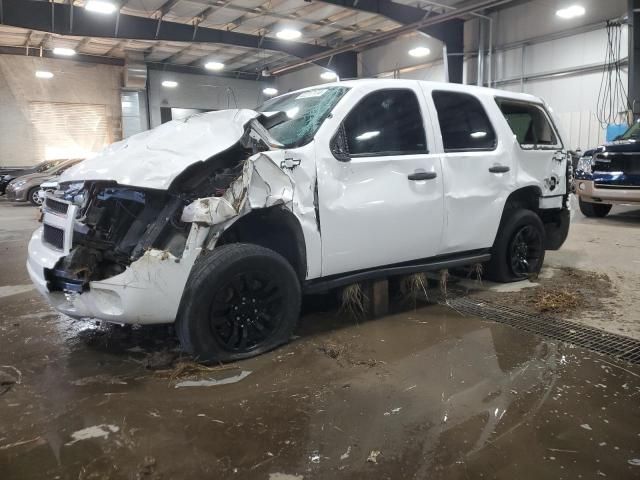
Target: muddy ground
{"type": "Point", "coordinates": [422, 393]}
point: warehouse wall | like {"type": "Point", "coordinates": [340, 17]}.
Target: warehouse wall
{"type": "Point", "coordinates": [76, 87]}
{"type": "Point", "coordinates": [392, 60]}
{"type": "Point", "coordinates": [207, 92]}
{"type": "Point", "coordinates": [305, 77]}
{"type": "Point", "coordinates": [542, 44]}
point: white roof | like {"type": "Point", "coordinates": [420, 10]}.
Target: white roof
{"type": "Point", "coordinates": [395, 83]}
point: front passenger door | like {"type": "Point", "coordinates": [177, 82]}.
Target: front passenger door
{"type": "Point", "coordinates": [381, 191]}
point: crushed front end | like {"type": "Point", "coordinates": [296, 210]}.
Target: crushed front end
{"type": "Point", "coordinates": [116, 253]}
{"type": "Point", "coordinates": [120, 235]}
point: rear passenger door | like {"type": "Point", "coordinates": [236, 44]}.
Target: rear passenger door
{"type": "Point", "coordinates": [379, 187]}
{"type": "Point", "coordinates": [476, 169]}
{"type": "Point", "coordinates": [543, 160]}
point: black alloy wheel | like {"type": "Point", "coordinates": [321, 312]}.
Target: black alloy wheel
{"type": "Point", "coordinates": [240, 300]}
{"type": "Point", "coordinates": [525, 251]}
{"type": "Point", "coordinates": [246, 312]}
{"type": "Point", "coordinates": [519, 248]}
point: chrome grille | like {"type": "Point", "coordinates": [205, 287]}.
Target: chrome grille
{"type": "Point", "coordinates": [617, 162]}
{"type": "Point", "coordinates": [53, 236]}
{"type": "Point", "coordinates": [56, 206]}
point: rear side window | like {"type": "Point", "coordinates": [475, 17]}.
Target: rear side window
{"type": "Point", "coordinates": [386, 122]}
{"type": "Point", "coordinates": [529, 123]}
{"type": "Point", "coordinates": [463, 122]}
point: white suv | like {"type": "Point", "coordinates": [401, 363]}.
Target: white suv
{"type": "Point", "coordinates": [220, 222]}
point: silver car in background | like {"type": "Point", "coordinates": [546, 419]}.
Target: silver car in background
{"type": "Point", "coordinates": [27, 187]}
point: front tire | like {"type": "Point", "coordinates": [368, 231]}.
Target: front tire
{"type": "Point", "coordinates": [594, 210]}
{"type": "Point", "coordinates": [33, 197]}
{"type": "Point", "coordinates": [519, 249]}
{"type": "Point", "coordinates": [241, 300]}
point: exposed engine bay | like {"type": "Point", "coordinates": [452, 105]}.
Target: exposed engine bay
{"type": "Point", "coordinates": [115, 225]}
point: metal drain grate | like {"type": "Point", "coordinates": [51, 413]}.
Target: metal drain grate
{"type": "Point", "coordinates": [623, 348]}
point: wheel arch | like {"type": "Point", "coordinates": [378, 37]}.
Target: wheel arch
{"type": "Point", "coordinates": [525, 197]}
{"type": "Point", "coordinates": [275, 228]}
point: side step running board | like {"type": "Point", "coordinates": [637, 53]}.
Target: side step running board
{"type": "Point", "coordinates": [324, 284]}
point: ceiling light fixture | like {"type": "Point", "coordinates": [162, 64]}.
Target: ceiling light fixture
{"type": "Point", "coordinates": [64, 52]}
{"type": "Point", "coordinates": [270, 91]}
{"type": "Point", "coordinates": [288, 34]}
{"type": "Point", "coordinates": [215, 66]}
{"type": "Point", "coordinates": [571, 12]}
{"type": "Point", "coordinates": [44, 74]}
{"type": "Point", "coordinates": [329, 75]}
{"type": "Point", "coordinates": [100, 6]}
{"type": "Point", "coordinates": [169, 84]}
{"type": "Point", "coordinates": [419, 52]}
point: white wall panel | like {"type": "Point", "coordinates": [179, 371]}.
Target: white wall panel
{"type": "Point", "coordinates": [206, 92]}
{"type": "Point", "coordinates": [538, 17]}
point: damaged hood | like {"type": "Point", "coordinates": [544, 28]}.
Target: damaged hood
{"type": "Point", "coordinates": [153, 159]}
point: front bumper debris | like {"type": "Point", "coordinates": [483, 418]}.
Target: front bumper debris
{"type": "Point", "coordinates": [148, 291]}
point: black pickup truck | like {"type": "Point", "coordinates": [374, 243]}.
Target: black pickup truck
{"type": "Point", "coordinates": [609, 174]}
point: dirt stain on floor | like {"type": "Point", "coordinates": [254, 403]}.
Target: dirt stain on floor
{"type": "Point", "coordinates": [566, 291]}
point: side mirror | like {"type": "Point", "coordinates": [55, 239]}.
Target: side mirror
{"type": "Point", "coordinates": [339, 147]}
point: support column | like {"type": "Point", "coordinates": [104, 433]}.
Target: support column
{"type": "Point", "coordinates": [377, 293]}
{"type": "Point", "coordinates": [453, 38]}
{"type": "Point", "coordinates": [344, 64]}
{"type": "Point", "coordinates": [634, 57]}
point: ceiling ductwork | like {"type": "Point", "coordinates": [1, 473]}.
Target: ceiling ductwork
{"type": "Point", "coordinates": [135, 71]}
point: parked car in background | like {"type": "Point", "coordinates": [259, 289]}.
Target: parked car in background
{"type": "Point", "coordinates": [9, 174]}
{"type": "Point", "coordinates": [609, 175]}
{"type": "Point", "coordinates": [220, 221]}
{"type": "Point", "coordinates": [26, 187]}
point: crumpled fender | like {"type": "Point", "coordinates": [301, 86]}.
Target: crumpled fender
{"type": "Point", "coordinates": [263, 184]}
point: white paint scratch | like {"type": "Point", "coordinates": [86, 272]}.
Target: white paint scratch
{"type": "Point", "coordinates": [212, 382]}
{"type": "Point", "coordinates": [96, 431]}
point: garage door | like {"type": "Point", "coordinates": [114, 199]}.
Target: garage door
{"type": "Point", "coordinates": [69, 130]}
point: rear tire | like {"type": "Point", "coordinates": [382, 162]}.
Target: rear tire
{"type": "Point", "coordinates": [519, 248]}
{"type": "Point", "coordinates": [240, 300]}
{"type": "Point", "coordinates": [593, 210]}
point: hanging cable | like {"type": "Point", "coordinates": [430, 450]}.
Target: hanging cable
{"type": "Point", "coordinates": [612, 96]}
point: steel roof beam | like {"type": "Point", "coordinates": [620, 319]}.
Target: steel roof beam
{"type": "Point", "coordinates": [36, 15]}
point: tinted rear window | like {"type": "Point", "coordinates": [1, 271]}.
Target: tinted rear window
{"type": "Point", "coordinates": [463, 122]}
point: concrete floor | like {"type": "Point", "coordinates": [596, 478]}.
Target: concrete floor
{"type": "Point", "coordinates": [426, 393]}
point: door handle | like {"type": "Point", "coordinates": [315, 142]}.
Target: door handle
{"type": "Point", "coordinates": [422, 176]}
{"type": "Point", "coordinates": [499, 169]}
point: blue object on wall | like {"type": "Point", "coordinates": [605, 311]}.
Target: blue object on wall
{"type": "Point", "coordinates": [615, 129]}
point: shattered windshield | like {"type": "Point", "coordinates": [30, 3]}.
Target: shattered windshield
{"type": "Point", "coordinates": [305, 113]}
{"type": "Point", "coordinates": [633, 133]}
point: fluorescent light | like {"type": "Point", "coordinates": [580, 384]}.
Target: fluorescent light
{"type": "Point", "coordinates": [571, 12]}
{"type": "Point", "coordinates": [214, 66]}
{"type": "Point", "coordinates": [292, 112]}
{"type": "Point", "coordinates": [270, 91]}
{"type": "Point", "coordinates": [64, 52]}
{"type": "Point", "coordinates": [479, 134]}
{"type": "Point", "coordinates": [44, 74]}
{"type": "Point", "coordinates": [419, 52]}
{"type": "Point", "coordinates": [169, 84]}
{"type": "Point", "coordinates": [100, 6]}
{"type": "Point", "coordinates": [368, 135]}
{"type": "Point", "coordinates": [288, 34]}
{"type": "Point", "coordinates": [328, 75]}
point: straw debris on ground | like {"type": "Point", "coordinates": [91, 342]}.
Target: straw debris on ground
{"type": "Point", "coordinates": [546, 300]}
{"type": "Point", "coordinates": [190, 369]}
